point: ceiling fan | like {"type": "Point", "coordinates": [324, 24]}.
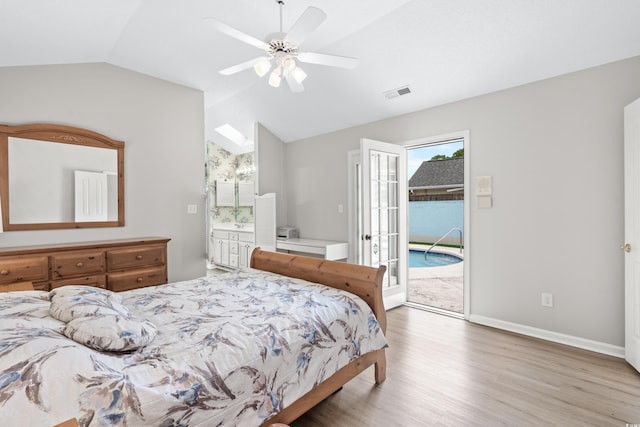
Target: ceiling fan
{"type": "Point", "coordinates": [282, 50]}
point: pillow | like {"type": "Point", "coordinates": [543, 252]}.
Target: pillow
{"type": "Point", "coordinates": [110, 332]}
{"type": "Point", "coordinates": [83, 301]}
{"type": "Point", "coordinates": [75, 290]}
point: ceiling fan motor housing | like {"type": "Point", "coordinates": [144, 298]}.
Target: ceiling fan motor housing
{"type": "Point", "coordinates": [276, 43]}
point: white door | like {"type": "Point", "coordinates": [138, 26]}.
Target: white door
{"type": "Point", "coordinates": [91, 199]}
{"type": "Point", "coordinates": [632, 232]}
{"type": "Point", "coordinates": [384, 220]}
{"type": "Point", "coordinates": [265, 221]}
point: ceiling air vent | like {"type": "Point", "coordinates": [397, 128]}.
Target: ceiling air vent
{"type": "Point", "coordinates": [394, 93]}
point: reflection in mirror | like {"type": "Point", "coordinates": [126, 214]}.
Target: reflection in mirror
{"type": "Point", "coordinates": [77, 183]}
{"type": "Point", "coordinates": [56, 176]}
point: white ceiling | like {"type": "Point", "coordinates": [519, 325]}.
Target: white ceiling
{"type": "Point", "coordinates": [446, 50]}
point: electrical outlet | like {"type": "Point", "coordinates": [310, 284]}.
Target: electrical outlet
{"type": "Point", "coordinates": [547, 300]}
{"type": "Point", "coordinates": [192, 209]}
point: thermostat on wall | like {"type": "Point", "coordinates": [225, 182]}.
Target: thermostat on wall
{"type": "Point", "coordinates": [484, 185]}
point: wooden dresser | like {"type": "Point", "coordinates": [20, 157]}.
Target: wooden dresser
{"type": "Point", "coordinates": [118, 265]}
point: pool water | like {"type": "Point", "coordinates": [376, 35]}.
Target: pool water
{"type": "Point", "coordinates": [434, 259]}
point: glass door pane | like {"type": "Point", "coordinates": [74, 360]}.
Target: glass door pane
{"type": "Point", "coordinates": [384, 240]}
{"type": "Point", "coordinates": [384, 212]}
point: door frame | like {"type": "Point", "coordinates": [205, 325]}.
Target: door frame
{"type": "Point", "coordinates": [631, 243]}
{"type": "Point", "coordinates": [353, 159]}
{"type": "Point", "coordinates": [443, 138]}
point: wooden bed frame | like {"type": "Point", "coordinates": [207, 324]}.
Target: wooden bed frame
{"type": "Point", "coordinates": [365, 282]}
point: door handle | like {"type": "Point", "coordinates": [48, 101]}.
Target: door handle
{"type": "Point", "coordinates": [626, 247]}
{"type": "Point", "coordinates": [367, 237]}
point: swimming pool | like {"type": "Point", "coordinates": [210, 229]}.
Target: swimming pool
{"type": "Point", "coordinates": [434, 259]}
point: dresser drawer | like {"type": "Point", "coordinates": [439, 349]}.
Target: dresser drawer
{"type": "Point", "coordinates": [125, 281]}
{"type": "Point", "coordinates": [98, 281]}
{"type": "Point", "coordinates": [122, 259]}
{"type": "Point", "coordinates": [73, 264]}
{"type": "Point", "coordinates": [31, 268]}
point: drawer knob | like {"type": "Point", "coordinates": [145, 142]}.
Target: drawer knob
{"type": "Point", "coordinates": [139, 280]}
{"type": "Point", "coordinates": [80, 264]}
{"type": "Point", "coordinates": [4, 272]}
{"type": "Point", "coordinates": [138, 257]}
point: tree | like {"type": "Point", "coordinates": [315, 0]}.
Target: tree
{"type": "Point", "coordinates": [459, 154]}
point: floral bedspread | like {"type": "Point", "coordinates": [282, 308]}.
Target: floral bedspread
{"type": "Point", "coordinates": [231, 350]}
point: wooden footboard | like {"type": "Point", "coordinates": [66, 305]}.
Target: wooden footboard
{"type": "Point", "coordinates": [365, 282]}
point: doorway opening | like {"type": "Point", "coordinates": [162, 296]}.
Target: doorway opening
{"type": "Point", "coordinates": [436, 220]}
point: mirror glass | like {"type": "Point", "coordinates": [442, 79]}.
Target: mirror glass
{"type": "Point", "coordinates": [76, 183]}
{"type": "Point", "coordinates": [56, 176]}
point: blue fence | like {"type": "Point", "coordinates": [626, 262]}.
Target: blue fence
{"type": "Point", "coordinates": [428, 221]}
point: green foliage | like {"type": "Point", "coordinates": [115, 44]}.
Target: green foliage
{"type": "Point", "coordinates": [445, 245]}
{"type": "Point", "coordinates": [459, 154]}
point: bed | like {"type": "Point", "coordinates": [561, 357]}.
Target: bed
{"type": "Point", "coordinates": [248, 348]}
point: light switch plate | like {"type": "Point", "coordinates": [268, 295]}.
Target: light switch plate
{"type": "Point", "coordinates": [192, 209]}
{"type": "Point", "coordinates": [484, 202]}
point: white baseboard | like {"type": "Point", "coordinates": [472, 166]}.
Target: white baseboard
{"type": "Point", "coordinates": [598, 347]}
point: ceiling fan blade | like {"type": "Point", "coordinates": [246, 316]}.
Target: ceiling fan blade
{"type": "Point", "coordinates": [241, 67]}
{"type": "Point", "coordinates": [293, 84]}
{"type": "Point", "coordinates": [308, 21]}
{"type": "Point", "coordinates": [237, 34]}
{"type": "Point", "coordinates": [330, 60]}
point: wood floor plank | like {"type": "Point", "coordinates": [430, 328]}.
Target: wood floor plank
{"type": "Point", "coordinates": [443, 371]}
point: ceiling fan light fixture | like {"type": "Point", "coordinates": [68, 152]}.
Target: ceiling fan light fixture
{"type": "Point", "coordinates": [289, 63]}
{"type": "Point", "coordinates": [275, 78]}
{"type": "Point", "coordinates": [262, 67]}
{"type": "Point", "coordinates": [282, 50]}
{"type": "Point", "coordinates": [298, 74]}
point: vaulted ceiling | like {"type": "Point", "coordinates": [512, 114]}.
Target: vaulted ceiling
{"type": "Point", "coordinates": [445, 50]}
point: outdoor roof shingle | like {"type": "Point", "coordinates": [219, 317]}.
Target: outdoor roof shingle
{"type": "Point", "coordinates": [436, 173]}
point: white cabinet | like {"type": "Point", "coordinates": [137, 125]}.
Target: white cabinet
{"type": "Point", "coordinates": [245, 194]}
{"type": "Point", "coordinates": [225, 194]}
{"type": "Point", "coordinates": [221, 247]}
{"type": "Point", "coordinates": [245, 248]}
{"type": "Point", "coordinates": [232, 249]}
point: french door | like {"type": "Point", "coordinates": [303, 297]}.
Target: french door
{"type": "Point", "coordinates": [632, 232]}
{"type": "Point", "coordinates": [384, 217]}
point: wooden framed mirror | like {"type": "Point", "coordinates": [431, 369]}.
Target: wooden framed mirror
{"type": "Point", "coordinates": [56, 176]}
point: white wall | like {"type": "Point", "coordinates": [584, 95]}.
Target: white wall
{"type": "Point", "coordinates": [555, 151]}
{"type": "Point", "coordinates": [162, 125]}
{"type": "Point", "coordinates": [270, 163]}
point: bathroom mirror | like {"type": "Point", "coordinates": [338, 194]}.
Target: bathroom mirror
{"type": "Point", "coordinates": [55, 176]}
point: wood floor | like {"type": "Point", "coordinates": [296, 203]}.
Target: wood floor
{"type": "Point", "coordinates": [443, 371]}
